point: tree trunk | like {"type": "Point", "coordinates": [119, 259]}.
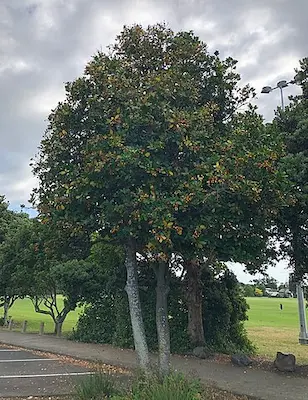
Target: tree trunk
{"type": "Point", "coordinates": [162, 322]}
{"type": "Point", "coordinates": [6, 307]}
{"type": "Point", "coordinates": [194, 303]}
{"type": "Point", "coordinates": [132, 291]}
{"type": "Point", "coordinates": [58, 328]}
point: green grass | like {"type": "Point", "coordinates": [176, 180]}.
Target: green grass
{"type": "Point", "coordinates": [24, 310]}
{"type": "Point", "coordinates": [266, 312]}
{"type": "Point", "coordinates": [272, 329]}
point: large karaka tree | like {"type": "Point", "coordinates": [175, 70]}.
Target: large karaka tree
{"type": "Point", "coordinates": [148, 149]}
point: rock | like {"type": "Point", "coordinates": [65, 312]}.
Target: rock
{"type": "Point", "coordinates": [285, 362]}
{"type": "Point", "coordinates": [202, 352]}
{"type": "Point", "coordinates": [241, 360]}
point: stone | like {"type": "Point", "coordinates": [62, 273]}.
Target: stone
{"type": "Point", "coordinates": [202, 352]}
{"type": "Point", "coordinates": [241, 360]}
{"type": "Point", "coordinates": [285, 362]}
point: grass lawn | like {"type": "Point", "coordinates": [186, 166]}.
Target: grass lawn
{"type": "Point", "coordinates": [272, 329]}
{"type": "Point", "coordinates": [24, 310]}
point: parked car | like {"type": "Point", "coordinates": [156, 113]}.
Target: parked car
{"type": "Point", "coordinates": [285, 293]}
{"type": "Point", "coordinates": [269, 292]}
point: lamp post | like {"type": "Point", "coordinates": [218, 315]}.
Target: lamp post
{"type": "Point", "coordinates": [303, 333]}
{"type": "Point", "coordinates": [281, 85]}
{"type": "Point", "coordinates": [24, 207]}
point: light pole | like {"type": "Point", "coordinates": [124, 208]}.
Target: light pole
{"type": "Point", "coordinates": [303, 334]}
{"type": "Point", "coordinates": [280, 85]}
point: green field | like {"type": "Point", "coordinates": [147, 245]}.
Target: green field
{"type": "Point", "coordinates": [270, 328]}
{"type": "Point", "coordinates": [23, 310]}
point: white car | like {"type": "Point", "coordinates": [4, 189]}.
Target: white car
{"type": "Point", "coordinates": [269, 292]}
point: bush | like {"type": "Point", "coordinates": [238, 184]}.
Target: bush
{"type": "Point", "coordinates": [173, 387]}
{"type": "Point", "coordinates": [96, 325]}
{"type": "Point", "coordinates": [107, 320]}
{"type": "Point", "coordinates": [224, 312]}
{"type": "Point", "coordinates": [95, 387]}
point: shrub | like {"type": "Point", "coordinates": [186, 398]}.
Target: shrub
{"type": "Point", "coordinates": [107, 319]}
{"type": "Point", "coordinates": [173, 387]}
{"type": "Point", "coordinates": [95, 387]}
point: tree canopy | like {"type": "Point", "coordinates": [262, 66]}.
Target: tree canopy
{"type": "Point", "coordinates": [148, 143]}
{"type": "Point", "coordinates": [292, 222]}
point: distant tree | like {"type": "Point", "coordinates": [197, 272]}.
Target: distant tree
{"type": "Point", "coordinates": [40, 263]}
{"type": "Point", "coordinates": [247, 290]}
{"type": "Point", "coordinates": [11, 286]}
{"type": "Point", "coordinates": [266, 282]}
{"type": "Point", "coordinates": [292, 222]}
{"type": "Point", "coordinates": [259, 292]}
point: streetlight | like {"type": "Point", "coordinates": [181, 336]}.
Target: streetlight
{"type": "Point", "coordinates": [281, 85]}
{"type": "Point", "coordinates": [24, 207]}
{"type": "Point", "coordinates": [303, 333]}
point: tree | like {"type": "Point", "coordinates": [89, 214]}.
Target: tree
{"type": "Point", "coordinates": [60, 266]}
{"type": "Point", "coordinates": [148, 150]}
{"type": "Point", "coordinates": [259, 292]}
{"type": "Point", "coordinates": [11, 287]}
{"type": "Point", "coordinates": [266, 282]}
{"type": "Point", "coordinates": [247, 290]}
{"type": "Point", "coordinates": [292, 222]}
{"type": "Point", "coordinates": [233, 220]}
{"type": "Point", "coordinates": [38, 262]}
{"type": "Point", "coordinates": [72, 279]}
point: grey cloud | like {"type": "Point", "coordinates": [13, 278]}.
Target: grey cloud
{"type": "Point", "coordinates": [45, 43]}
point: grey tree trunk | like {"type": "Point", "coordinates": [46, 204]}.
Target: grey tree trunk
{"type": "Point", "coordinates": [6, 307]}
{"type": "Point", "coordinates": [193, 295]}
{"type": "Point", "coordinates": [58, 328]}
{"type": "Point", "coordinates": [162, 322]}
{"type": "Point", "coordinates": [132, 291]}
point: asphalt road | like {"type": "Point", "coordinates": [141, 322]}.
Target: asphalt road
{"type": "Point", "coordinates": [23, 373]}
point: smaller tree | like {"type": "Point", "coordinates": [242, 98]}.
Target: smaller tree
{"type": "Point", "coordinates": [36, 261]}
{"type": "Point", "coordinates": [266, 282]}
{"type": "Point", "coordinates": [72, 279]}
{"type": "Point", "coordinates": [12, 284]}
{"type": "Point", "coordinates": [248, 290]}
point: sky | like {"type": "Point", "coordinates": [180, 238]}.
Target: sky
{"type": "Point", "coordinates": [45, 43]}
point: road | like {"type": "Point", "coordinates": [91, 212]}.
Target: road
{"type": "Point", "coordinates": [24, 373]}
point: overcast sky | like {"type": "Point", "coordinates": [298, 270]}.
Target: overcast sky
{"type": "Point", "coordinates": [45, 43]}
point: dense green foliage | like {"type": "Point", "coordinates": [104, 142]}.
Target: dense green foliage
{"type": "Point", "coordinates": [13, 283]}
{"type": "Point", "coordinates": [106, 320]}
{"type": "Point", "coordinates": [40, 262]}
{"type": "Point", "coordinates": [292, 222]}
